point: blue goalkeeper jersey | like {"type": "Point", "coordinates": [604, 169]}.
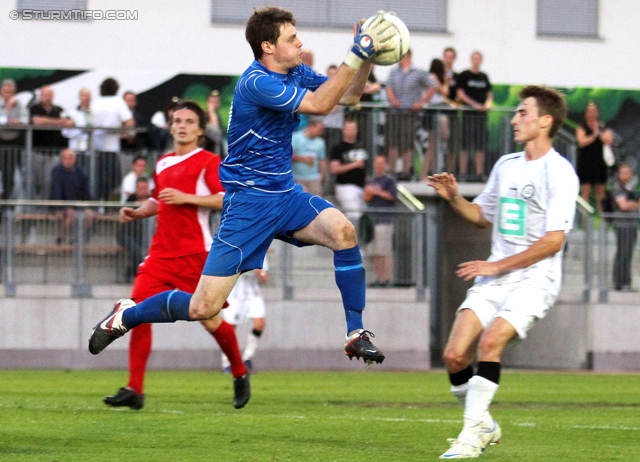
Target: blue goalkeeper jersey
{"type": "Point", "coordinates": [262, 119]}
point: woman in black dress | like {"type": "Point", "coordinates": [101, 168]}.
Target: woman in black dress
{"type": "Point", "coordinates": [592, 170]}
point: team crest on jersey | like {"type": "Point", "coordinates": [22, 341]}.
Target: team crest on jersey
{"type": "Point", "coordinates": [528, 191]}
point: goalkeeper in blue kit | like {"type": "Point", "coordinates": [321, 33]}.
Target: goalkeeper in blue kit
{"type": "Point", "coordinates": [262, 202]}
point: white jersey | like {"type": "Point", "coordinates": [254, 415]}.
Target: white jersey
{"type": "Point", "coordinates": [524, 200]}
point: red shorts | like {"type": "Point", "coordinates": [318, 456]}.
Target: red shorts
{"type": "Point", "coordinates": [156, 275]}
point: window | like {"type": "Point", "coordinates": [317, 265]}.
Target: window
{"type": "Point", "coordinates": [48, 5]}
{"type": "Point", "coordinates": [430, 17]}
{"type": "Point", "coordinates": [568, 18]}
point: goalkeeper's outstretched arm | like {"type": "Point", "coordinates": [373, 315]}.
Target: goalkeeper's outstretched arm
{"type": "Point", "coordinates": [347, 84]}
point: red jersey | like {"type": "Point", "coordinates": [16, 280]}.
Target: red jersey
{"type": "Point", "coordinates": [184, 229]}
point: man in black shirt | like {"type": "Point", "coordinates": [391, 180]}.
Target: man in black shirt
{"type": "Point", "coordinates": [47, 143]}
{"type": "Point", "coordinates": [474, 90]}
{"type": "Point", "coordinates": [348, 165]}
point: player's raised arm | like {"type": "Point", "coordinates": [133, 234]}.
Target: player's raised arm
{"type": "Point", "coordinates": [446, 186]}
{"type": "Point", "coordinates": [353, 73]}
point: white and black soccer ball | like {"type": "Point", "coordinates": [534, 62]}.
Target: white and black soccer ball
{"type": "Point", "coordinates": [400, 41]}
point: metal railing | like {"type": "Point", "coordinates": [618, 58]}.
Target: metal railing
{"type": "Point", "coordinates": [614, 261]}
{"type": "Point", "coordinates": [435, 139]}
{"type": "Point", "coordinates": [25, 168]}
{"type": "Point", "coordinates": [74, 243]}
{"type": "Point", "coordinates": [82, 244]}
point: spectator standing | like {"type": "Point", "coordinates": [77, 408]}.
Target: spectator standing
{"type": "Point", "coordinates": [627, 202]}
{"type": "Point", "coordinates": [406, 91]}
{"type": "Point", "coordinates": [474, 91]}
{"type": "Point", "coordinates": [308, 161]}
{"type": "Point", "coordinates": [47, 143]}
{"type": "Point", "coordinates": [138, 169]}
{"type": "Point", "coordinates": [214, 133]}
{"type": "Point", "coordinates": [69, 182]}
{"type": "Point", "coordinates": [348, 165]}
{"type": "Point", "coordinates": [132, 141]}
{"type": "Point", "coordinates": [81, 116]}
{"type": "Point", "coordinates": [440, 98]}
{"type": "Point", "coordinates": [451, 79]}
{"type": "Point", "coordinates": [379, 192]}
{"type": "Point", "coordinates": [11, 113]}
{"type": "Point", "coordinates": [109, 111]}
{"type": "Point", "coordinates": [591, 137]}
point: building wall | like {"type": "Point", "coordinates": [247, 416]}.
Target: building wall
{"type": "Point", "coordinates": [174, 38]}
{"type": "Point", "coordinates": [44, 328]}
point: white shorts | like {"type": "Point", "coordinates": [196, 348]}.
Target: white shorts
{"type": "Point", "coordinates": [240, 311]}
{"type": "Point", "coordinates": [521, 303]}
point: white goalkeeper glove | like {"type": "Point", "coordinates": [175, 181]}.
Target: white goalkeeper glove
{"type": "Point", "coordinates": [367, 42]}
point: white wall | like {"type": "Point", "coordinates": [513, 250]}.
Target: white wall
{"type": "Point", "coordinates": [171, 37]}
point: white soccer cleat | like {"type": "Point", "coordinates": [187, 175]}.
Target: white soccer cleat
{"type": "Point", "coordinates": [490, 433]}
{"type": "Point", "coordinates": [462, 449]}
{"type": "Point", "coordinates": [110, 328]}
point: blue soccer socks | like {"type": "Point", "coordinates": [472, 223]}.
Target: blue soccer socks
{"type": "Point", "coordinates": [168, 306]}
{"type": "Point", "coordinates": [351, 280]}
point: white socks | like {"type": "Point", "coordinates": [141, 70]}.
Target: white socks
{"type": "Point", "coordinates": [478, 399]}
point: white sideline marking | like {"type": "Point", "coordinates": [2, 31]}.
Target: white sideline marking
{"type": "Point", "coordinates": [379, 419]}
{"type": "Point", "coordinates": [397, 419]}
{"type": "Point", "coordinates": [607, 427]}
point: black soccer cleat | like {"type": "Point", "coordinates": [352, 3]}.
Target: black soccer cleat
{"type": "Point", "coordinates": [110, 328]}
{"type": "Point", "coordinates": [358, 345]}
{"type": "Point", "coordinates": [241, 391]}
{"type": "Point", "coordinates": [125, 397]}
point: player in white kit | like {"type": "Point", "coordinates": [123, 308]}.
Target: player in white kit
{"type": "Point", "coordinates": [529, 200]}
{"type": "Point", "coordinates": [247, 303]}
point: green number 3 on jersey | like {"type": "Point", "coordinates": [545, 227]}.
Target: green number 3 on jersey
{"type": "Point", "coordinates": [512, 217]}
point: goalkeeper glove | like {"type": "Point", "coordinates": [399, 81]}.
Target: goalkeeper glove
{"type": "Point", "coordinates": [367, 42]}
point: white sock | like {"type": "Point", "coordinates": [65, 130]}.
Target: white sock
{"type": "Point", "coordinates": [460, 392]}
{"type": "Point", "coordinates": [225, 361]}
{"type": "Point", "coordinates": [251, 347]}
{"type": "Point", "coordinates": [479, 397]}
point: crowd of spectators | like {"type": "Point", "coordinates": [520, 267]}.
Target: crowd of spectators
{"type": "Point", "coordinates": [332, 155]}
{"type": "Point", "coordinates": [408, 90]}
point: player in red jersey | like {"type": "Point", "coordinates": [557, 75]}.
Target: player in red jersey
{"type": "Point", "coordinates": [187, 189]}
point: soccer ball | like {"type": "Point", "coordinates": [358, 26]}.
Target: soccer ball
{"type": "Point", "coordinates": [400, 41]}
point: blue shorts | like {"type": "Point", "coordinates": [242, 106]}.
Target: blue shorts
{"type": "Point", "coordinates": [249, 224]}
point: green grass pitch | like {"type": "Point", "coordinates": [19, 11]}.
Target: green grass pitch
{"type": "Point", "coordinates": [312, 416]}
